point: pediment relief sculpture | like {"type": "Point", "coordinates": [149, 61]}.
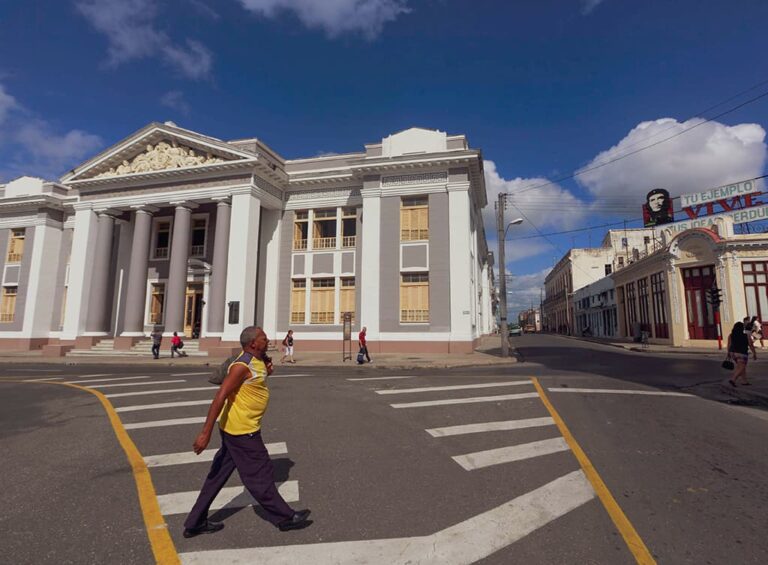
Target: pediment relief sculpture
{"type": "Point", "coordinates": [162, 157]}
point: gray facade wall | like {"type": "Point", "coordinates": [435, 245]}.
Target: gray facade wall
{"type": "Point", "coordinates": [439, 264]}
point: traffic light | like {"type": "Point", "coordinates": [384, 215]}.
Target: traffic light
{"type": "Point", "coordinates": [714, 297]}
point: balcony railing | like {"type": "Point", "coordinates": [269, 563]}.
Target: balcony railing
{"type": "Point", "coordinates": [161, 252]}
{"type": "Point", "coordinates": [299, 244]}
{"type": "Point", "coordinates": [348, 241]}
{"type": "Point", "coordinates": [324, 242]}
{"type": "Point", "coordinates": [198, 250]}
{"type": "Point", "coordinates": [6, 317]}
{"type": "Point", "coordinates": [14, 258]}
{"type": "Point", "coordinates": [414, 315]}
{"type": "Point", "coordinates": [414, 235]}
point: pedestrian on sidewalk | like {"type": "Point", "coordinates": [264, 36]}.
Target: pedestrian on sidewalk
{"type": "Point", "coordinates": [756, 328]}
{"type": "Point", "coordinates": [362, 342]}
{"type": "Point", "coordinates": [157, 339]}
{"type": "Point", "coordinates": [288, 347]}
{"type": "Point", "coordinates": [243, 396]}
{"type": "Point", "coordinates": [177, 345]}
{"type": "Point", "coordinates": [739, 344]}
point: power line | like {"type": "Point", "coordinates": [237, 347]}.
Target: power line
{"type": "Point", "coordinates": [654, 144]}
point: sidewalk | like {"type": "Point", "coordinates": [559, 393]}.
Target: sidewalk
{"type": "Point", "coordinates": [755, 394]}
{"type": "Point", "coordinates": [488, 353]}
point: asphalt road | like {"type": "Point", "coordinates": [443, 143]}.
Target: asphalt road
{"type": "Point", "coordinates": [392, 473]}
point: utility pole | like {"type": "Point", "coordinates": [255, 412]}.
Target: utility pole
{"type": "Point", "coordinates": [501, 228]}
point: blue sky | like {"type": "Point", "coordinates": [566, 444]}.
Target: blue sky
{"type": "Point", "coordinates": [544, 88]}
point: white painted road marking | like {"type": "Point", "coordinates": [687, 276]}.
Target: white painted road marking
{"type": "Point", "coordinates": [452, 387]}
{"type": "Point", "coordinates": [480, 459]}
{"type": "Point", "coordinates": [229, 497]}
{"type": "Point", "coordinates": [36, 379]}
{"type": "Point", "coordinates": [138, 384]}
{"type": "Point", "coordinates": [379, 378]}
{"type": "Point", "coordinates": [491, 427]}
{"type": "Point", "coordinates": [96, 375]}
{"type": "Point", "coordinates": [288, 376]}
{"type": "Point", "coordinates": [163, 405]}
{"type": "Point", "coordinates": [161, 391]}
{"type": "Point", "coordinates": [466, 542]}
{"type": "Point", "coordinates": [190, 374]}
{"type": "Point", "coordinates": [165, 460]}
{"type": "Point", "coordinates": [163, 423]}
{"type": "Point", "coordinates": [107, 380]}
{"type": "Point", "coordinates": [466, 400]}
{"type": "Point", "coordinates": [620, 391]}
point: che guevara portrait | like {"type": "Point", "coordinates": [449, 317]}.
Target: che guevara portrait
{"type": "Point", "coordinates": [657, 209]}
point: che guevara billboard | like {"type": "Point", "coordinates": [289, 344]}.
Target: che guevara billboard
{"type": "Point", "coordinates": [657, 209]}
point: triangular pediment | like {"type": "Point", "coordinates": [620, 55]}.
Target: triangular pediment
{"type": "Point", "coordinates": [158, 148]}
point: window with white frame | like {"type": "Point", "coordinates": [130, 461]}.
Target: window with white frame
{"type": "Point", "coordinates": [414, 297]}
{"type": "Point", "coordinates": [347, 296]}
{"type": "Point", "coordinates": [414, 218]}
{"type": "Point", "coordinates": [161, 243]}
{"type": "Point", "coordinates": [348, 227]}
{"type": "Point", "coordinates": [156, 303]}
{"type": "Point", "coordinates": [16, 246]}
{"type": "Point", "coordinates": [300, 230]}
{"type": "Point", "coordinates": [199, 233]}
{"type": "Point", "coordinates": [322, 301]}
{"type": "Point", "coordinates": [8, 303]}
{"type": "Point", "coordinates": [324, 229]}
{"type": "Point", "coordinates": [298, 300]}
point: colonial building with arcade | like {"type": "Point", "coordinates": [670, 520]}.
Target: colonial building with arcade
{"type": "Point", "coordinates": [175, 230]}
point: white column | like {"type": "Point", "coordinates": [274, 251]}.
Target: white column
{"type": "Point", "coordinates": [80, 266]}
{"type": "Point", "coordinates": [369, 272]}
{"type": "Point", "coordinates": [272, 226]}
{"type": "Point", "coordinates": [458, 222]}
{"type": "Point", "coordinates": [242, 262]}
{"type": "Point", "coordinates": [46, 254]}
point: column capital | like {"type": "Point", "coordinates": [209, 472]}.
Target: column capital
{"type": "Point", "coordinates": [107, 212]}
{"type": "Point", "coordinates": [222, 200]}
{"type": "Point", "coordinates": [149, 209]}
{"type": "Point", "coordinates": [189, 205]}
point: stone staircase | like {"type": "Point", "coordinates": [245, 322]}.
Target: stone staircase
{"type": "Point", "coordinates": [143, 348]}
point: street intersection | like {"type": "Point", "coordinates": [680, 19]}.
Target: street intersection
{"type": "Point", "coordinates": [529, 464]}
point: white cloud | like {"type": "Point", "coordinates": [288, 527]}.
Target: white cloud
{"type": "Point", "coordinates": [525, 290]}
{"type": "Point", "coordinates": [712, 154]}
{"type": "Point", "coordinates": [334, 17]}
{"type": "Point", "coordinates": [130, 27]}
{"type": "Point", "coordinates": [175, 100]}
{"type": "Point", "coordinates": [547, 206]}
{"type": "Point", "coordinates": [587, 6]}
{"type": "Point", "coordinates": [32, 146]}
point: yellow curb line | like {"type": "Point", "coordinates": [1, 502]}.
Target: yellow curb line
{"type": "Point", "coordinates": [157, 530]}
{"type": "Point", "coordinates": [635, 544]}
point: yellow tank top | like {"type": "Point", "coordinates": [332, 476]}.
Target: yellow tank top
{"type": "Point", "coordinates": [244, 408]}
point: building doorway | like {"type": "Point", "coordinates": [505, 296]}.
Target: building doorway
{"type": "Point", "coordinates": [193, 310]}
{"type": "Point", "coordinates": [701, 317]}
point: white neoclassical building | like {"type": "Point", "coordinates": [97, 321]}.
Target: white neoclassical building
{"type": "Point", "coordinates": [180, 231]}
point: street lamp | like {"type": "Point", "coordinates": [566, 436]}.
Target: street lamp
{"type": "Point", "coordinates": [502, 229]}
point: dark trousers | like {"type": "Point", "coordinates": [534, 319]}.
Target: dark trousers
{"type": "Point", "coordinates": [248, 454]}
{"type": "Point", "coordinates": [155, 350]}
{"type": "Point", "coordinates": [364, 349]}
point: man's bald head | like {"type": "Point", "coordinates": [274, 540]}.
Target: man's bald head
{"type": "Point", "coordinates": [249, 335]}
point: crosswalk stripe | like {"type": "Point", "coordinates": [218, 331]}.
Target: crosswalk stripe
{"type": "Point", "coordinates": [168, 459]}
{"type": "Point", "coordinates": [471, 400]}
{"type": "Point", "coordinates": [467, 542]}
{"type": "Point", "coordinates": [163, 423]}
{"type": "Point", "coordinates": [107, 380]}
{"type": "Point", "coordinates": [190, 374]}
{"type": "Point", "coordinates": [161, 391]}
{"type": "Point", "coordinates": [43, 379]}
{"type": "Point", "coordinates": [138, 384]}
{"type": "Point", "coordinates": [290, 375]}
{"type": "Point", "coordinates": [480, 459]}
{"type": "Point", "coordinates": [620, 391]}
{"type": "Point", "coordinates": [452, 387]}
{"type": "Point", "coordinates": [229, 497]}
{"type": "Point", "coordinates": [96, 375]}
{"type": "Point", "coordinates": [379, 378]}
{"type": "Point", "coordinates": [163, 405]}
{"type": "Point", "coordinates": [491, 427]}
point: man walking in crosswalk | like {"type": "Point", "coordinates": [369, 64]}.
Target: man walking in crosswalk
{"type": "Point", "coordinates": [243, 396]}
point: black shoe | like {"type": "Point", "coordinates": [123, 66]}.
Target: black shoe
{"type": "Point", "coordinates": [206, 528]}
{"type": "Point", "coordinates": [296, 522]}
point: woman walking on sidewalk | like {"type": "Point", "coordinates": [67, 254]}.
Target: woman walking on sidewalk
{"type": "Point", "coordinates": [739, 344]}
{"type": "Point", "coordinates": [288, 348]}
